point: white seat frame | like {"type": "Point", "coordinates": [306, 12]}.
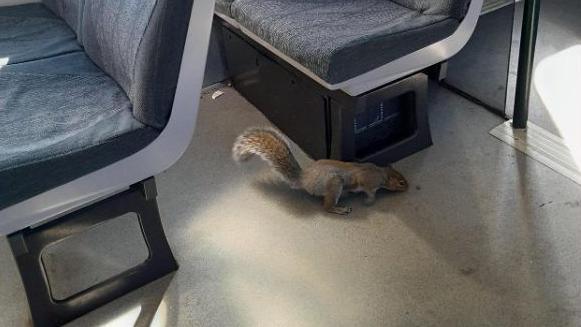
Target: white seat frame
{"type": "Point", "coordinates": [160, 155]}
{"type": "Point", "coordinates": [394, 70]}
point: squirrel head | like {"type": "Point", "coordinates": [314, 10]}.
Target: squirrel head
{"type": "Point", "coordinates": [393, 180]}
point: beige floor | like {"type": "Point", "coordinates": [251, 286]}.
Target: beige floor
{"type": "Point", "coordinates": [484, 237]}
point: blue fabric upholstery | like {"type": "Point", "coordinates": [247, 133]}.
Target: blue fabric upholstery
{"type": "Point", "coordinates": [27, 10]}
{"type": "Point", "coordinates": [71, 11]}
{"type": "Point", "coordinates": [224, 7]}
{"type": "Point", "coordinates": [341, 39]}
{"type": "Point", "coordinates": [70, 63]}
{"type": "Point", "coordinates": [31, 32]}
{"type": "Point", "coordinates": [112, 32]}
{"type": "Point", "coordinates": [140, 44]}
{"type": "Point", "coordinates": [50, 115]}
{"type": "Point", "coordinates": [63, 116]}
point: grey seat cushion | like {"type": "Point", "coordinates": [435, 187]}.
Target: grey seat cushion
{"type": "Point", "coordinates": [69, 63]}
{"type": "Point", "coordinates": [224, 7]}
{"type": "Point", "coordinates": [139, 43]}
{"type": "Point", "coordinates": [31, 32]}
{"type": "Point", "coordinates": [67, 110]}
{"type": "Point", "coordinates": [61, 117]}
{"type": "Point", "coordinates": [49, 115]}
{"type": "Point", "coordinates": [341, 39]}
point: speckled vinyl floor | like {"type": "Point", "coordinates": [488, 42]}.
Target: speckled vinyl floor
{"type": "Point", "coordinates": [484, 237]}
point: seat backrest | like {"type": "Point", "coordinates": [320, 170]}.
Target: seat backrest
{"type": "Point", "coordinates": [453, 8]}
{"type": "Point", "coordinates": [139, 43]}
{"type": "Point", "coordinates": [69, 10]}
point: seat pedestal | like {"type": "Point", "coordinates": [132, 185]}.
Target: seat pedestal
{"type": "Point", "coordinates": [28, 245]}
{"type": "Point", "coordinates": [380, 126]}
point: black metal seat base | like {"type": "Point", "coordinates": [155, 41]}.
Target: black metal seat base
{"type": "Point", "coordinates": [28, 245]}
{"type": "Point", "coordinates": [381, 126]}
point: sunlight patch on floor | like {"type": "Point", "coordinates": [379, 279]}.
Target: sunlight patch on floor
{"type": "Point", "coordinates": [281, 269]}
{"type": "Point", "coordinates": [267, 276]}
{"type": "Point", "coordinates": [129, 318]}
{"type": "Point", "coordinates": [160, 318]}
{"type": "Point", "coordinates": [558, 80]}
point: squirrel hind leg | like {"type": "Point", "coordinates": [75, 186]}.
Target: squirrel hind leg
{"type": "Point", "coordinates": [333, 192]}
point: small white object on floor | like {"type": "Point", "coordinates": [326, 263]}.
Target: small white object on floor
{"type": "Point", "coordinates": [217, 94]}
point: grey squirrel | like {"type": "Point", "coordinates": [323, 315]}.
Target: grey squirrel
{"type": "Point", "coordinates": [325, 178]}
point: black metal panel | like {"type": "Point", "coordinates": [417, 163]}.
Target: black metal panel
{"type": "Point", "coordinates": [216, 71]}
{"type": "Point", "coordinates": [28, 245]}
{"type": "Point", "coordinates": [384, 125]}
{"type": "Point", "coordinates": [480, 71]}
{"type": "Point", "coordinates": [284, 98]}
{"type": "Point", "coordinates": [381, 126]}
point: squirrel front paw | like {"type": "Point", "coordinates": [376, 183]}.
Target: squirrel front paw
{"type": "Point", "coordinates": [340, 210]}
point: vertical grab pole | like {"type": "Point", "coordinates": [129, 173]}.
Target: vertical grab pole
{"type": "Point", "coordinates": [525, 63]}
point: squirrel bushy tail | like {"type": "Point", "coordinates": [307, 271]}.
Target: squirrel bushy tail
{"type": "Point", "coordinates": [273, 147]}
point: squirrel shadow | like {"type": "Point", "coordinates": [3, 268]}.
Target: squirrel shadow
{"type": "Point", "coordinates": [303, 205]}
{"type": "Point", "coordinates": [297, 202]}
